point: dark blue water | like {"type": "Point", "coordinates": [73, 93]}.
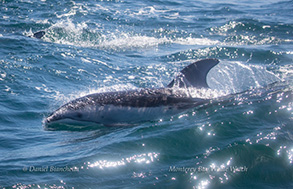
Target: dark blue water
{"type": "Point", "coordinates": [242, 140]}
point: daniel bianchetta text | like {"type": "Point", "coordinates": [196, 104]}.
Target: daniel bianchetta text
{"type": "Point", "coordinates": [208, 169]}
{"type": "Point", "coordinates": [50, 169]}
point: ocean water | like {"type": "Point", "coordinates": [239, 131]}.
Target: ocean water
{"type": "Point", "coordinates": [242, 140]}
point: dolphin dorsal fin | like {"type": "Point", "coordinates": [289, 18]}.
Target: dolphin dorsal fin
{"type": "Point", "coordinates": [39, 34]}
{"type": "Point", "coordinates": [195, 74]}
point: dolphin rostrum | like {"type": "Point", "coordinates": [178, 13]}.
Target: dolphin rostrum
{"type": "Point", "coordinates": [134, 106]}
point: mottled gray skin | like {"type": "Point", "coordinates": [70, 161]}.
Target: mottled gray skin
{"type": "Point", "coordinates": [128, 107]}
{"type": "Point", "coordinates": [145, 101]}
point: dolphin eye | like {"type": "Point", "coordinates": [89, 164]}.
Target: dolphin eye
{"type": "Point", "coordinates": [79, 115]}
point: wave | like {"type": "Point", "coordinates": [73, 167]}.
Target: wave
{"type": "Point", "coordinates": [68, 33]}
{"type": "Point", "coordinates": [235, 33]}
{"type": "Point", "coordinates": [250, 31]}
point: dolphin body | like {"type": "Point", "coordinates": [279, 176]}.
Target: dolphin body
{"type": "Point", "coordinates": [134, 106]}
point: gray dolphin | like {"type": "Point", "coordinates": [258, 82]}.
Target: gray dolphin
{"type": "Point", "coordinates": [134, 106]}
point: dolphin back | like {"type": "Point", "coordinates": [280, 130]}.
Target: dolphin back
{"type": "Point", "coordinates": [194, 75]}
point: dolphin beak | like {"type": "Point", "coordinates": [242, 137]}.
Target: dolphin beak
{"type": "Point", "coordinates": [52, 118]}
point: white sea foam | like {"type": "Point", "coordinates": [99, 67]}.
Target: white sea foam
{"type": "Point", "coordinates": [149, 11]}
{"type": "Point", "coordinates": [195, 41]}
{"type": "Point", "coordinates": [78, 34]}
{"type": "Point", "coordinates": [222, 30]}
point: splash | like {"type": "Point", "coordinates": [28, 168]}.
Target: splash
{"type": "Point", "coordinates": [68, 33]}
{"type": "Point", "coordinates": [202, 93]}
{"type": "Point", "coordinates": [234, 77]}
{"type": "Point", "coordinates": [128, 41]}
{"type": "Point", "coordinates": [80, 34]}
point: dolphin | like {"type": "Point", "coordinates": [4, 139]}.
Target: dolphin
{"type": "Point", "coordinates": [135, 106]}
{"type": "Point", "coordinates": [38, 34]}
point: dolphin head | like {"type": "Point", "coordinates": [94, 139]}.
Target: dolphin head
{"type": "Point", "coordinates": [60, 116]}
{"type": "Point", "coordinates": [74, 110]}
{"type": "Point", "coordinates": [63, 115]}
